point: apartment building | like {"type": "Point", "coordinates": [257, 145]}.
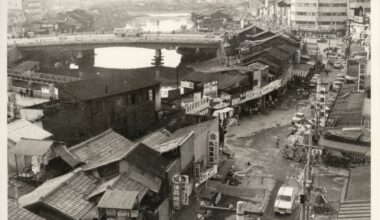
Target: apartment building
{"type": "Point", "coordinates": [310, 17]}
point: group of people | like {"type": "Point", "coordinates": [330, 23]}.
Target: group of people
{"type": "Point", "coordinates": [27, 93]}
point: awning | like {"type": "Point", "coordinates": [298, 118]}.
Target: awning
{"type": "Point", "coordinates": [30, 147]}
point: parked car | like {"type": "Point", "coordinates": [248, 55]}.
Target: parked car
{"type": "Point", "coordinates": [337, 65]}
{"type": "Point", "coordinates": [284, 200]}
{"type": "Point", "coordinates": [298, 117]}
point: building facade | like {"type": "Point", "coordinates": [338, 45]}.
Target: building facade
{"type": "Point", "coordinates": [310, 17]}
{"type": "Point", "coordinates": [127, 104]}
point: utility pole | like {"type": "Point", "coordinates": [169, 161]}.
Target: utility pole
{"type": "Point", "coordinates": [348, 50]}
{"type": "Point", "coordinates": [306, 184]}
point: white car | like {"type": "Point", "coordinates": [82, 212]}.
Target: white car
{"type": "Point", "coordinates": [284, 200]}
{"type": "Point", "coordinates": [299, 117]}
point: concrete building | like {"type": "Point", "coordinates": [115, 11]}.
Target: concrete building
{"type": "Point", "coordinates": [360, 26]}
{"type": "Point", "coordinates": [14, 4]}
{"type": "Point", "coordinates": [33, 10]}
{"type": "Point", "coordinates": [311, 17]}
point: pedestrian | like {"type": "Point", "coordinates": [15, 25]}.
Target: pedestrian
{"type": "Point", "coordinates": [21, 93]}
{"type": "Point", "coordinates": [31, 93]}
{"type": "Point", "coordinates": [277, 141]}
{"type": "Point", "coordinates": [27, 92]}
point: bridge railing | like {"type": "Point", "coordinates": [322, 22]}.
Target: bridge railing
{"type": "Point", "coordinates": [167, 38]}
{"type": "Point", "coordinates": [41, 77]}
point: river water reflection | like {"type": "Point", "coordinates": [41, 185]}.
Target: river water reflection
{"type": "Point", "coordinates": [132, 57]}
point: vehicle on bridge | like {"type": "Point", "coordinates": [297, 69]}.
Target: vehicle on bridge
{"type": "Point", "coordinates": [128, 32]}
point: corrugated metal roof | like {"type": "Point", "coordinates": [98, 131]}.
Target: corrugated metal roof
{"type": "Point", "coordinates": [196, 128]}
{"type": "Point", "coordinates": [346, 147]}
{"type": "Point", "coordinates": [117, 199]}
{"type": "Point", "coordinates": [98, 87]}
{"type": "Point", "coordinates": [156, 137]}
{"type": "Point", "coordinates": [24, 129]}
{"type": "Point", "coordinates": [102, 145]}
{"type": "Point", "coordinates": [66, 155]}
{"type": "Point", "coordinates": [355, 210]}
{"type": "Point", "coordinates": [17, 213]}
{"type": "Point", "coordinates": [32, 147]}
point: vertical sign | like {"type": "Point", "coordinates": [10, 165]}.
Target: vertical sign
{"type": "Point", "coordinates": [197, 172]}
{"type": "Point", "coordinates": [185, 189]}
{"type": "Point", "coordinates": [176, 192]}
{"type": "Point", "coordinates": [213, 148]}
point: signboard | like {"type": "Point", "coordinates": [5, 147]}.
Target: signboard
{"type": "Point", "coordinates": [271, 87]}
{"type": "Point", "coordinates": [252, 94]}
{"type": "Point", "coordinates": [187, 84]}
{"type": "Point", "coordinates": [197, 96]}
{"type": "Point", "coordinates": [213, 148]}
{"type": "Point", "coordinates": [210, 89]}
{"type": "Point", "coordinates": [185, 189]}
{"type": "Point", "coordinates": [197, 172]}
{"type": "Point", "coordinates": [208, 174]}
{"type": "Point", "coordinates": [235, 101]}
{"type": "Point", "coordinates": [174, 94]}
{"type": "Point", "coordinates": [176, 192]}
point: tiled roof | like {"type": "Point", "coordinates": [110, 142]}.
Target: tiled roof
{"type": "Point", "coordinates": [100, 146]}
{"type": "Point", "coordinates": [32, 147]}
{"type": "Point", "coordinates": [24, 129]}
{"type": "Point", "coordinates": [17, 213]}
{"type": "Point", "coordinates": [43, 190]}
{"type": "Point", "coordinates": [98, 87]}
{"type": "Point", "coordinates": [66, 155]}
{"type": "Point", "coordinates": [70, 197]}
{"type": "Point", "coordinates": [116, 199]}
{"type": "Point", "coordinates": [107, 159]}
{"type": "Point", "coordinates": [127, 183]}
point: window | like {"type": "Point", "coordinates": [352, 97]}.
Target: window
{"type": "Point", "coordinates": [150, 95]}
{"type": "Point", "coordinates": [255, 82]}
{"type": "Point", "coordinates": [96, 106]}
{"type": "Point", "coordinates": [118, 102]}
{"type": "Point", "coordinates": [132, 99]}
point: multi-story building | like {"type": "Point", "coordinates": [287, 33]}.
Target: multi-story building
{"type": "Point", "coordinates": [359, 13]}
{"type": "Point", "coordinates": [128, 104]}
{"type": "Point", "coordinates": [33, 10]}
{"type": "Point", "coordinates": [310, 17]}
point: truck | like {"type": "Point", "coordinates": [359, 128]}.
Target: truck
{"type": "Point", "coordinates": [284, 200]}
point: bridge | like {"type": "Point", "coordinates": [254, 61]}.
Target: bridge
{"type": "Point", "coordinates": [84, 42]}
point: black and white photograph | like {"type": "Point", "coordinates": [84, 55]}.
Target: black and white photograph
{"type": "Point", "coordinates": [188, 110]}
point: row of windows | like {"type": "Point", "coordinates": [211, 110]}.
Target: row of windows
{"type": "Point", "coordinates": [130, 99]}
{"type": "Point", "coordinates": [331, 23]}
{"type": "Point", "coordinates": [332, 13]}
{"type": "Point", "coordinates": [332, 5]}
{"type": "Point", "coordinates": [321, 4]}
{"type": "Point", "coordinates": [305, 22]}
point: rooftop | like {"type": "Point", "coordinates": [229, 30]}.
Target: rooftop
{"type": "Point", "coordinates": [156, 137]}
{"type": "Point", "coordinates": [100, 146]}
{"type": "Point", "coordinates": [225, 79]}
{"type": "Point", "coordinates": [25, 66]}
{"type": "Point", "coordinates": [24, 129]}
{"type": "Point", "coordinates": [153, 162]}
{"type": "Point", "coordinates": [171, 144]}
{"type": "Point", "coordinates": [98, 87]}
{"type": "Point", "coordinates": [32, 147]}
{"type": "Point", "coordinates": [66, 194]}
{"type": "Point", "coordinates": [17, 213]}
{"type": "Point", "coordinates": [116, 199]}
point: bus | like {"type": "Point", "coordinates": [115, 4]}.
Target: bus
{"type": "Point", "coordinates": [128, 32]}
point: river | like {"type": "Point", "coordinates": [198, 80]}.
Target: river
{"type": "Point", "coordinates": [132, 57]}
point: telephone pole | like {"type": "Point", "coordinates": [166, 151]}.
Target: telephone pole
{"type": "Point", "coordinates": [306, 184]}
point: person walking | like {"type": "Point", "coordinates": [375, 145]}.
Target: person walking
{"type": "Point", "coordinates": [21, 93]}
{"type": "Point", "coordinates": [277, 139]}
{"type": "Point", "coordinates": [27, 92]}
{"type": "Point", "coordinates": [31, 93]}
